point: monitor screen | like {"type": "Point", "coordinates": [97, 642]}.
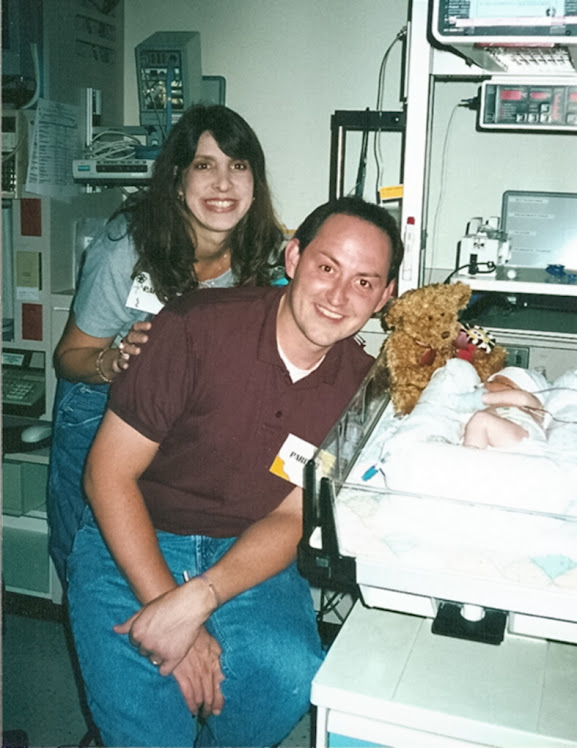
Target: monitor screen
{"type": "Point", "coordinates": [541, 227]}
{"type": "Point", "coordinates": [169, 75]}
{"type": "Point", "coordinates": [481, 19]}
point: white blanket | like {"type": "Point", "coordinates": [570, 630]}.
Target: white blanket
{"type": "Point", "coordinates": [425, 455]}
{"type": "Point", "coordinates": [417, 497]}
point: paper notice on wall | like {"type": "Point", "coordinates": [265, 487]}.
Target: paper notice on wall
{"type": "Point", "coordinates": [28, 276]}
{"type": "Point", "coordinates": [54, 143]}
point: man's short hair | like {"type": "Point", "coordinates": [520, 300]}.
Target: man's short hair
{"type": "Point", "coordinates": [358, 208]}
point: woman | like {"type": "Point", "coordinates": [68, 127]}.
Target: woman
{"type": "Point", "coordinates": [206, 219]}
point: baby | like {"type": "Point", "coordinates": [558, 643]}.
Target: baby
{"type": "Point", "coordinates": [515, 411]}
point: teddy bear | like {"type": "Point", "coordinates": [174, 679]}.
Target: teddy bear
{"type": "Point", "coordinates": [424, 332]}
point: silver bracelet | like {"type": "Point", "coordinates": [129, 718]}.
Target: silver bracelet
{"type": "Point", "coordinates": [99, 369]}
{"type": "Point", "coordinates": [212, 587]}
{"type": "Point", "coordinates": [205, 579]}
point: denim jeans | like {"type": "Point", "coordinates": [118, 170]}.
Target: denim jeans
{"type": "Point", "coordinates": [78, 410]}
{"type": "Point", "coordinates": [268, 635]}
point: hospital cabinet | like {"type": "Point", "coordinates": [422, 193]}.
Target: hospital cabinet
{"type": "Point", "coordinates": [26, 566]}
{"type": "Point", "coordinates": [388, 681]}
{"type": "Point", "coordinates": [47, 222]}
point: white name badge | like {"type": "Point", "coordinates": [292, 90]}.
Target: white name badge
{"type": "Point", "coordinates": [142, 296]}
{"type": "Point", "coordinates": [292, 458]}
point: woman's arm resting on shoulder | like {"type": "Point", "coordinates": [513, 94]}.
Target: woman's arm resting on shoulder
{"type": "Point", "coordinates": [83, 358]}
{"type": "Point", "coordinates": [76, 355]}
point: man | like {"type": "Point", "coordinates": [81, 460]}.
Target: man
{"type": "Point", "coordinates": [199, 535]}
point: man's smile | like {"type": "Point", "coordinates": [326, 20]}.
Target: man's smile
{"type": "Point", "coordinates": [328, 313]}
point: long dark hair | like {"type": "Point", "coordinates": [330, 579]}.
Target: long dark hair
{"type": "Point", "coordinates": [157, 220]}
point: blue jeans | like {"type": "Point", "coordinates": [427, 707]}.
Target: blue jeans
{"type": "Point", "coordinates": [270, 652]}
{"type": "Point", "coordinates": [78, 410]}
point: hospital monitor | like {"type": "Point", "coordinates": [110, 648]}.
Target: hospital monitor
{"type": "Point", "coordinates": [499, 20]}
{"type": "Point", "coordinates": [529, 37]}
{"type": "Point", "coordinates": [541, 228]}
{"type": "Point", "coordinates": [169, 77]}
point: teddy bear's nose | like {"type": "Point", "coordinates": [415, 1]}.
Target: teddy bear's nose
{"type": "Point", "coordinates": [445, 334]}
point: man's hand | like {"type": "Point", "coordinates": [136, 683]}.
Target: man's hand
{"type": "Point", "coordinates": [199, 675]}
{"type": "Point", "coordinates": [165, 629]}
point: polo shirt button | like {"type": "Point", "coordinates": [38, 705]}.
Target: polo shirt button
{"type": "Point", "coordinates": [278, 414]}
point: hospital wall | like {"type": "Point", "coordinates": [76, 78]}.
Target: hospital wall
{"type": "Point", "coordinates": [470, 169]}
{"type": "Point", "coordinates": [288, 64]}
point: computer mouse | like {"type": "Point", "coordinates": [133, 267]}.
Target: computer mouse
{"type": "Point", "coordinates": [36, 433]}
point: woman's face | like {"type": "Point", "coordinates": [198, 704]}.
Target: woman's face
{"type": "Point", "coordinates": [218, 190]}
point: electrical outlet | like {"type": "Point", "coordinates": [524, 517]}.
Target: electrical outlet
{"type": "Point", "coordinates": [518, 356]}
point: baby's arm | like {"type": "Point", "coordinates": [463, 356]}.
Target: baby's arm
{"type": "Point", "coordinates": [514, 397]}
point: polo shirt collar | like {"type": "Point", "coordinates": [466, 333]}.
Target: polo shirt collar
{"type": "Point", "coordinates": [268, 350]}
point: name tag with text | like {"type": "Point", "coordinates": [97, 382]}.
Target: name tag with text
{"type": "Point", "coordinates": [292, 458]}
{"type": "Point", "coordinates": [142, 296]}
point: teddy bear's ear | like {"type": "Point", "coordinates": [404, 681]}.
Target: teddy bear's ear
{"type": "Point", "coordinates": [391, 314]}
{"type": "Point", "coordinates": [461, 293]}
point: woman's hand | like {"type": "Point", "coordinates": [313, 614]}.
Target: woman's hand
{"type": "Point", "coordinates": [80, 357]}
{"type": "Point", "coordinates": [131, 343]}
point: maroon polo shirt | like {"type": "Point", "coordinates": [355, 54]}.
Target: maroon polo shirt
{"type": "Point", "coordinates": [212, 390]}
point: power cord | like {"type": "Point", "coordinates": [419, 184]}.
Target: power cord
{"type": "Point", "coordinates": [112, 145]}
{"type": "Point", "coordinates": [377, 150]}
{"type": "Point", "coordinates": [473, 267]}
{"type": "Point", "coordinates": [472, 103]}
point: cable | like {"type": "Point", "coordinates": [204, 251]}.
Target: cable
{"type": "Point", "coordinates": [359, 187]}
{"type": "Point", "coordinates": [7, 156]}
{"type": "Point", "coordinates": [380, 97]}
{"type": "Point", "coordinates": [381, 84]}
{"type": "Point", "coordinates": [113, 150]}
{"type": "Point", "coordinates": [471, 103]}
{"type": "Point", "coordinates": [169, 79]}
{"type": "Point", "coordinates": [36, 63]}
{"type": "Point", "coordinates": [150, 92]}
{"type": "Point", "coordinates": [474, 268]}
{"type": "Point", "coordinates": [441, 186]}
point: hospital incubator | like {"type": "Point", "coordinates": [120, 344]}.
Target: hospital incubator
{"type": "Point", "coordinates": [483, 542]}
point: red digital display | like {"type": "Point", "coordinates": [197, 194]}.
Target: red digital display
{"type": "Point", "coordinates": [511, 95]}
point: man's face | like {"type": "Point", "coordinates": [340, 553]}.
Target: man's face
{"type": "Point", "coordinates": [338, 282]}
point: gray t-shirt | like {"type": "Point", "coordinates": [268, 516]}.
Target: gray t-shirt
{"type": "Point", "coordinates": [105, 282]}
